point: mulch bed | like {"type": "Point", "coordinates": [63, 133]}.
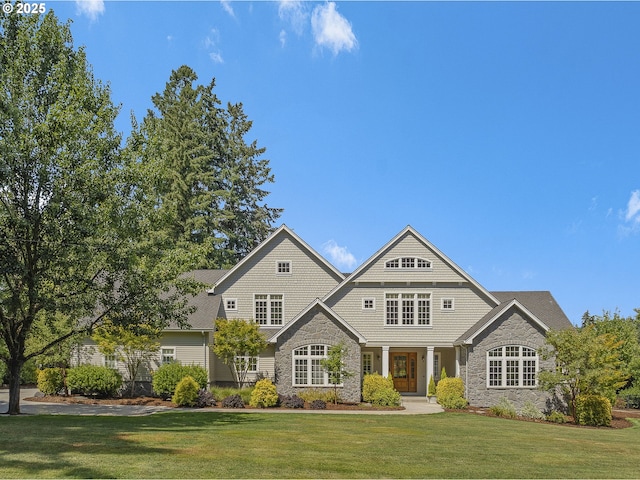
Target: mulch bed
{"type": "Point", "coordinates": [618, 420]}
{"type": "Point", "coordinates": [158, 402]}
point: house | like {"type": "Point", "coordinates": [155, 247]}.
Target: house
{"type": "Point", "coordinates": [408, 310]}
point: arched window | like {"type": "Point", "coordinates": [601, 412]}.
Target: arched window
{"type": "Point", "coordinates": [307, 369]}
{"type": "Point", "coordinates": [408, 263]}
{"type": "Point", "coordinates": [512, 366]}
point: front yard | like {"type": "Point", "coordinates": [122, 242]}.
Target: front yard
{"type": "Point", "coordinates": [205, 444]}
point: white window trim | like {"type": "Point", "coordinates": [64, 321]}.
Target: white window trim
{"type": "Point", "coordinates": [370, 356]}
{"type": "Point", "coordinates": [370, 299]}
{"type": "Point", "coordinates": [520, 358]}
{"type": "Point", "coordinates": [235, 303]}
{"type": "Point", "coordinates": [248, 358]}
{"type": "Point", "coordinates": [405, 269]}
{"type": "Point", "coordinates": [111, 359]}
{"type": "Point", "coordinates": [453, 304]}
{"type": "Point", "coordinates": [290, 264]}
{"type": "Point", "coordinates": [310, 357]}
{"type": "Point", "coordinates": [415, 313]}
{"type": "Point", "coordinates": [162, 354]}
{"type": "Point", "coordinates": [269, 318]}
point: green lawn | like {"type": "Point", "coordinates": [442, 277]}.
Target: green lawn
{"type": "Point", "coordinates": [232, 445]}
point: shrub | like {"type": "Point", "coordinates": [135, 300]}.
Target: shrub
{"type": "Point", "coordinates": [531, 411]}
{"type": "Point", "coordinates": [205, 399]}
{"type": "Point", "coordinates": [378, 390]}
{"type": "Point", "coordinates": [504, 409]}
{"type": "Point", "coordinates": [291, 401]}
{"type": "Point", "coordinates": [630, 396]}
{"type": "Point", "coordinates": [220, 393]}
{"type": "Point", "coordinates": [450, 393]}
{"type": "Point", "coordinates": [593, 410]}
{"type": "Point", "coordinates": [94, 380]}
{"type": "Point", "coordinates": [311, 394]}
{"type": "Point", "coordinates": [186, 394]}
{"type": "Point", "coordinates": [167, 377]}
{"type": "Point", "coordinates": [557, 417]}
{"type": "Point", "coordinates": [29, 373]}
{"type": "Point", "coordinates": [264, 394]}
{"type": "Point", "coordinates": [233, 401]}
{"type": "Point", "coordinates": [431, 391]}
{"type": "Point", "coordinates": [318, 404]}
{"type": "Point", "coordinates": [50, 381]}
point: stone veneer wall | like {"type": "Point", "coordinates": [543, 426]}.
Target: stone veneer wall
{"type": "Point", "coordinates": [316, 328]}
{"type": "Point", "coordinates": [510, 329]}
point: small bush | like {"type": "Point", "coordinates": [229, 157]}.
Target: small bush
{"type": "Point", "coordinates": [311, 394]}
{"type": "Point", "coordinates": [186, 394]}
{"type": "Point", "coordinates": [29, 373]}
{"type": "Point", "coordinates": [94, 380]}
{"type": "Point", "coordinates": [630, 396]}
{"type": "Point", "coordinates": [167, 377]}
{"type": "Point", "coordinates": [378, 390]}
{"type": "Point", "coordinates": [504, 409]}
{"type": "Point", "coordinates": [50, 381]}
{"type": "Point", "coordinates": [431, 391]}
{"type": "Point", "coordinates": [450, 393]}
{"type": "Point", "coordinates": [318, 404]}
{"type": "Point", "coordinates": [557, 417]}
{"type": "Point", "coordinates": [531, 411]}
{"type": "Point", "coordinates": [291, 401]}
{"type": "Point", "coordinates": [264, 394]}
{"type": "Point", "coordinates": [233, 401]}
{"type": "Point", "coordinates": [593, 410]}
{"type": "Point", "coordinates": [205, 399]}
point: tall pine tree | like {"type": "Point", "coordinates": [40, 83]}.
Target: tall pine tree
{"type": "Point", "coordinates": [205, 181]}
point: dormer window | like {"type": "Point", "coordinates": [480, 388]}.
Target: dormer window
{"type": "Point", "coordinates": [408, 263]}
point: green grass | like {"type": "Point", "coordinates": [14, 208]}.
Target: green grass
{"type": "Point", "coordinates": [269, 445]}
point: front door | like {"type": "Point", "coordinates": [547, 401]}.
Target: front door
{"type": "Point", "coordinates": [404, 366]}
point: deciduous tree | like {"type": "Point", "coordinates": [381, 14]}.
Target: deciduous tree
{"type": "Point", "coordinates": [335, 367]}
{"type": "Point", "coordinates": [235, 341]}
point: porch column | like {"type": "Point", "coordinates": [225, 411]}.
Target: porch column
{"type": "Point", "coordinates": [429, 365]}
{"type": "Point", "coordinates": [385, 360]}
{"type": "Point", "coordinates": [457, 361]}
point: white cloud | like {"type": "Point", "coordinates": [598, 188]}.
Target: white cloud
{"type": "Point", "coordinates": [283, 38]}
{"type": "Point", "coordinates": [633, 208]}
{"type": "Point", "coordinates": [295, 13]}
{"type": "Point", "coordinates": [216, 57]}
{"type": "Point", "coordinates": [90, 8]}
{"type": "Point", "coordinates": [210, 43]}
{"type": "Point", "coordinates": [339, 256]}
{"type": "Point", "coordinates": [226, 5]}
{"type": "Point", "coordinates": [332, 30]}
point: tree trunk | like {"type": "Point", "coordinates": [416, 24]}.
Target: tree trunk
{"type": "Point", "coordinates": [15, 368]}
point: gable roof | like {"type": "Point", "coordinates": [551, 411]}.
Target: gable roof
{"type": "Point", "coordinates": [318, 303]}
{"type": "Point", "coordinates": [282, 230]}
{"type": "Point", "coordinates": [409, 230]}
{"type": "Point", "coordinates": [539, 306]}
{"type": "Point", "coordinates": [206, 304]}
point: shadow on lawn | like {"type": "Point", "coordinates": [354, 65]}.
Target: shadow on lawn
{"type": "Point", "coordinates": [72, 446]}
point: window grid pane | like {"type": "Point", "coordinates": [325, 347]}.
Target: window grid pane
{"type": "Point", "coordinates": [495, 373]}
{"type": "Point", "coordinates": [261, 309]}
{"type": "Point", "coordinates": [392, 309]}
{"type": "Point", "coordinates": [300, 373]}
{"type": "Point", "coordinates": [513, 371]}
{"type": "Point", "coordinates": [529, 368]}
{"type": "Point", "coordinates": [424, 310]}
{"type": "Point", "coordinates": [407, 309]}
{"type": "Point", "coordinates": [276, 309]}
{"type": "Point", "coordinates": [408, 262]}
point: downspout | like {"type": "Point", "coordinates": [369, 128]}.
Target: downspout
{"type": "Point", "coordinates": [204, 351]}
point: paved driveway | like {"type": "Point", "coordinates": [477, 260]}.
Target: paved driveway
{"type": "Point", "coordinates": [413, 406]}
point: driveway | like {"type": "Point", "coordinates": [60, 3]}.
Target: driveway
{"type": "Point", "coordinates": [412, 405]}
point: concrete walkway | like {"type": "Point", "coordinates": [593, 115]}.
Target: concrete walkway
{"type": "Point", "coordinates": [413, 405]}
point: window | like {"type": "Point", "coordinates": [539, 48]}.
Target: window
{"type": "Point", "coordinates": [367, 363]}
{"type": "Point", "coordinates": [408, 309]}
{"type": "Point", "coordinates": [110, 361]}
{"type": "Point", "coordinates": [231, 304]}
{"type": "Point", "coordinates": [246, 362]}
{"type": "Point", "coordinates": [268, 309]}
{"type": "Point", "coordinates": [447, 304]}
{"type": "Point", "coordinates": [368, 304]}
{"type": "Point", "coordinates": [283, 267]}
{"type": "Point", "coordinates": [407, 263]}
{"type": "Point", "coordinates": [168, 355]}
{"type": "Point", "coordinates": [512, 366]}
{"type": "Point", "coordinates": [307, 369]}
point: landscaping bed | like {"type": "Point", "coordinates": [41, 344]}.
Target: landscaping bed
{"type": "Point", "coordinates": [158, 402]}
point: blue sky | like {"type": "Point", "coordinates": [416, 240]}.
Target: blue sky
{"type": "Point", "coordinates": [507, 133]}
